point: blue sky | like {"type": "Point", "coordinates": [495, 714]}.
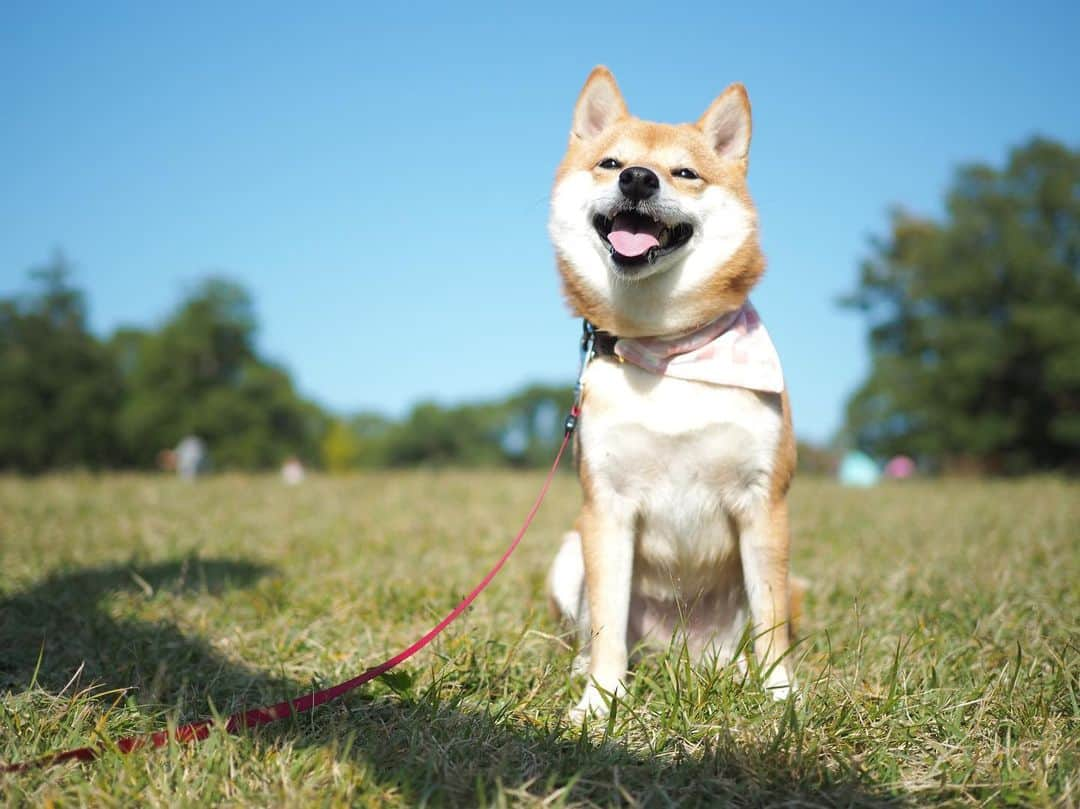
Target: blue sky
{"type": "Point", "coordinates": [379, 178]}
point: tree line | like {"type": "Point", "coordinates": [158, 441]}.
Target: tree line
{"type": "Point", "coordinates": [69, 399]}
{"type": "Point", "coordinates": [974, 329]}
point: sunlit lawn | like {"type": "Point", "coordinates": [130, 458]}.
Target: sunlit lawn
{"type": "Point", "coordinates": [940, 660]}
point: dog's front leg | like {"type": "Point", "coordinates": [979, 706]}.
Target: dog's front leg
{"type": "Point", "coordinates": [764, 546]}
{"type": "Point", "coordinates": [607, 535]}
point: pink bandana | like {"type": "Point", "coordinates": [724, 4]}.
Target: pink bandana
{"type": "Point", "coordinates": [734, 349]}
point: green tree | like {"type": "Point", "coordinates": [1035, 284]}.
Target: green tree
{"type": "Point", "coordinates": [535, 420]}
{"type": "Point", "coordinates": [340, 447]}
{"type": "Point", "coordinates": [975, 322]}
{"type": "Point", "coordinates": [200, 374]}
{"type": "Point", "coordinates": [59, 389]}
{"type": "Point", "coordinates": [467, 435]}
{"type": "Point", "coordinates": [522, 430]}
{"type": "Point", "coordinates": [372, 432]}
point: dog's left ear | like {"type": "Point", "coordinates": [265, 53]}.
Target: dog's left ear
{"type": "Point", "coordinates": [726, 124]}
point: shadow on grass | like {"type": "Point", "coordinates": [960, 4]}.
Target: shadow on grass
{"type": "Point", "coordinates": [64, 621]}
{"type": "Point", "coordinates": [424, 748]}
{"type": "Point", "coordinates": [431, 752]}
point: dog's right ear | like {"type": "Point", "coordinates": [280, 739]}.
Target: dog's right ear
{"type": "Point", "coordinates": [599, 106]}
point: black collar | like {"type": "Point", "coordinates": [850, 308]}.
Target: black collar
{"type": "Point", "coordinates": [603, 341]}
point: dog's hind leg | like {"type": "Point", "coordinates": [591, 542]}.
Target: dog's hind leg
{"type": "Point", "coordinates": [566, 594]}
{"type": "Point", "coordinates": [566, 579]}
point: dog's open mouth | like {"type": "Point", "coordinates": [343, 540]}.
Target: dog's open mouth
{"type": "Point", "coordinates": [636, 239]}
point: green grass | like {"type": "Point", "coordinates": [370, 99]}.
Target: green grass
{"type": "Point", "coordinates": [940, 659]}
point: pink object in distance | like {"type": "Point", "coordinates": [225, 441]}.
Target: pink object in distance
{"type": "Point", "coordinates": [900, 468]}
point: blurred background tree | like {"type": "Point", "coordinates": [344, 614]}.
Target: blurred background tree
{"type": "Point", "coordinates": [200, 374]}
{"type": "Point", "coordinates": [533, 423]}
{"type": "Point", "coordinates": [466, 435]}
{"type": "Point", "coordinates": [975, 322]}
{"type": "Point", "coordinates": [59, 387]}
{"type": "Point", "coordinates": [69, 399]}
{"type": "Point", "coordinates": [340, 447]}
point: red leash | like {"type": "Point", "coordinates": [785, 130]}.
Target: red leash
{"type": "Point", "coordinates": [254, 717]}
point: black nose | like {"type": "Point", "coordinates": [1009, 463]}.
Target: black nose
{"type": "Point", "coordinates": [638, 183]}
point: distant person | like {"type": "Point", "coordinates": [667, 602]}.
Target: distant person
{"type": "Point", "coordinates": [192, 457]}
{"type": "Point", "coordinates": [292, 471]}
{"type": "Point", "coordinates": [166, 460]}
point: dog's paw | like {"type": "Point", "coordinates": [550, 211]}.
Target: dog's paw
{"type": "Point", "coordinates": [596, 701]}
{"type": "Point", "coordinates": [593, 704]}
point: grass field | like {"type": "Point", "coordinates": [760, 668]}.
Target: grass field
{"type": "Point", "coordinates": [940, 659]}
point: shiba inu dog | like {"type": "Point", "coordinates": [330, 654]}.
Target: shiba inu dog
{"type": "Point", "coordinates": [685, 446]}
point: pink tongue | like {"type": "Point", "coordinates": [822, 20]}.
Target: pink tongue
{"type": "Point", "coordinates": [631, 244]}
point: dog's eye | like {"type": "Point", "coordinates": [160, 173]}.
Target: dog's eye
{"type": "Point", "coordinates": [685, 174]}
{"type": "Point", "coordinates": [609, 163]}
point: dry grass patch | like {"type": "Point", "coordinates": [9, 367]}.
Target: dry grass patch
{"type": "Point", "coordinates": [940, 663]}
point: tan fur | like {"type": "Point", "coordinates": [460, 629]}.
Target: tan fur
{"type": "Point", "coordinates": [798, 587]}
{"type": "Point", "coordinates": [641, 580]}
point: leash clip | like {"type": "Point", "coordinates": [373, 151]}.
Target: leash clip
{"type": "Point", "coordinates": [588, 351]}
{"type": "Point", "coordinates": [588, 336]}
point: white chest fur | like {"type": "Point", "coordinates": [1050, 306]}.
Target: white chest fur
{"type": "Point", "coordinates": [685, 457]}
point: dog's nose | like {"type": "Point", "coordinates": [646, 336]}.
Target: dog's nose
{"type": "Point", "coordinates": [638, 183]}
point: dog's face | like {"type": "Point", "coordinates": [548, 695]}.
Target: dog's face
{"type": "Point", "coordinates": [653, 226]}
